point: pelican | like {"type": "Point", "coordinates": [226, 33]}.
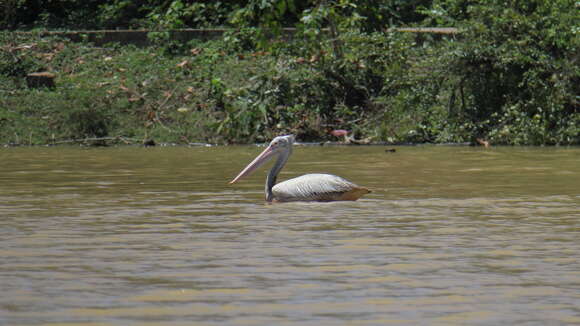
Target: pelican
{"type": "Point", "coordinates": [309, 187]}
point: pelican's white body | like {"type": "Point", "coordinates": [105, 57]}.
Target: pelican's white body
{"type": "Point", "coordinates": [314, 186]}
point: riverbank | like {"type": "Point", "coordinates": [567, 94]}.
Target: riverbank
{"type": "Point", "coordinates": [381, 87]}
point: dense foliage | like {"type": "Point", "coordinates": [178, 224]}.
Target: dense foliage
{"type": "Point", "coordinates": [114, 14]}
{"type": "Point", "coordinates": [511, 76]}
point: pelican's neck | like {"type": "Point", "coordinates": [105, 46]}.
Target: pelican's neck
{"type": "Point", "coordinates": [273, 174]}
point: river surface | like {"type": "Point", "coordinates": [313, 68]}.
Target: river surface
{"type": "Point", "coordinates": [157, 236]}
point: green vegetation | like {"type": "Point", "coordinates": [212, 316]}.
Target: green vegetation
{"type": "Point", "coordinates": [510, 77]}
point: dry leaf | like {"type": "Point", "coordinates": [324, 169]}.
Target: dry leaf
{"type": "Point", "coordinates": [483, 142]}
{"type": "Point", "coordinates": [183, 64]}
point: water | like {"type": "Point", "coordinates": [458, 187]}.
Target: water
{"type": "Point", "coordinates": [136, 236]}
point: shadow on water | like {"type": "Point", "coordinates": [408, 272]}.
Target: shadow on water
{"type": "Point", "coordinates": [156, 236]}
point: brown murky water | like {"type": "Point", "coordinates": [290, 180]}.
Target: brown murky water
{"type": "Point", "coordinates": [135, 236]}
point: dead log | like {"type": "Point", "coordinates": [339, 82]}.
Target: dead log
{"type": "Point", "coordinates": [40, 80]}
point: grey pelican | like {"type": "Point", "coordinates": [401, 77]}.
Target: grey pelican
{"type": "Point", "coordinates": [309, 187]}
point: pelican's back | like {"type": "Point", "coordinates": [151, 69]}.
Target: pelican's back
{"type": "Point", "coordinates": [317, 187]}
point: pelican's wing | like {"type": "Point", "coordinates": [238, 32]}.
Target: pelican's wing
{"type": "Point", "coordinates": [317, 187]}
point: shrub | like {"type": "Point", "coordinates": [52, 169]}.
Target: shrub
{"type": "Point", "coordinates": [516, 72]}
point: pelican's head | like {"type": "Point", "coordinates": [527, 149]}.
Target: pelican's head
{"type": "Point", "coordinates": [281, 143]}
{"type": "Point", "coordinates": [278, 145]}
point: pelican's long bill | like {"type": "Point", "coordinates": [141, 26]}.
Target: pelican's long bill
{"type": "Point", "coordinates": [264, 157]}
